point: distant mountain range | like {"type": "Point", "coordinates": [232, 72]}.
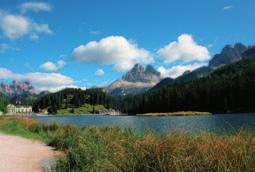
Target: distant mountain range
{"type": "Point", "coordinates": [20, 92]}
{"type": "Point", "coordinates": [17, 88]}
{"type": "Point", "coordinates": [139, 79]}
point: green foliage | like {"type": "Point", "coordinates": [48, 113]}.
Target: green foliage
{"type": "Point", "coordinates": [11, 125]}
{"type": "Point", "coordinates": [3, 102]}
{"type": "Point", "coordinates": [73, 99]}
{"type": "Point", "coordinates": [25, 99]}
{"type": "Point", "coordinates": [85, 109]}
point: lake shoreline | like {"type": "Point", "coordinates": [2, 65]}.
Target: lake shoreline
{"type": "Point", "coordinates": [179, 113]}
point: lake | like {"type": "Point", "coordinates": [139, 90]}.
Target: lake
{"type": "Point", "coordinates": [220, 123]}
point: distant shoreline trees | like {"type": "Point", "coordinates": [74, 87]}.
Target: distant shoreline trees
{"type": "Point", "coordinates": [230, 88]}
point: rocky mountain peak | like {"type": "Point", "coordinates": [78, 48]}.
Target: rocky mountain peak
{"type": "Point", "coordinates": [228, 55]}
{"type": "Point", "coordinates": [137, 80]}
{"type": "Point", "coordinates": [17, 88]}
{"type": "Point", "coordinates": [140, 74]}
{"type": "Point", "coordinates": [151, 70]}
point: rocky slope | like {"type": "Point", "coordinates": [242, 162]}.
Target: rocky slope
{"type": "Point", "coordinates": [137, 80]}
{"type": "Point", "coordinates": [228, 55]}
{"type": "Point", "coordinates": [17, 88]}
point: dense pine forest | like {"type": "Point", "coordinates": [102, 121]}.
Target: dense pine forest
{"type": "Point", "coordinates": [72, 98]}
{"type": "Point", "coordinates": [228, 89]}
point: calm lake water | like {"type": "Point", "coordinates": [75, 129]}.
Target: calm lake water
{"type": "Point", "coordinates": [214, 123]}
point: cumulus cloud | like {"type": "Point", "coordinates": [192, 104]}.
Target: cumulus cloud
{"type": "Point", "coordinates": [17, 26]}
{"type": "Point", "coordinates": [50, 66]}
{"type": "Point", "coordinates": [99, 72]}
{"type": "Point", "coordinates": [178, 70]}
{"type": "Point", "coordinates": [35, 6]}
{"type": "Point", "coordinates": [112, 50]}
{"type": "Point", "coordinates": [185, 49]}
{"type": "Point", "coordinates": [228, 7]}
{"type": "Point", "coordinates": [42, 81]}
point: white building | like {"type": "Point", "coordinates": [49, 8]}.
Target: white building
{"type": "Point", "coordinates": [19, 110]}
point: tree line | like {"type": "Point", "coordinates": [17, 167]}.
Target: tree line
{"type": "Point", "coordinates": [230, 88]}
{"type": "Point", "coordinates": [72, 98]}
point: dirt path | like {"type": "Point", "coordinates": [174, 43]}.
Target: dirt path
{"type": "Point", "coordinates": [23, 155]}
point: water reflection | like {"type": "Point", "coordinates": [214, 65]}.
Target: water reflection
{"type": "Point", "coordinates": [214, 123]}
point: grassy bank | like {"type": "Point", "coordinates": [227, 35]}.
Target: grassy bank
{"type": "Point", "coordinates": [115, 149]}
{"type": "Point", "coordinates": [85, 109]}
{"type": "Point", "coordinates": [181, 113]}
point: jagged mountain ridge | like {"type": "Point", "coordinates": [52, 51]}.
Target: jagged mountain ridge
{"type": "Point", "coordinates": [137, 80]}
{"type": "Point", "coordinates": [228, 55]}
{"type": "Point", "coordinates": [140, 74]}
{"type": "Point", "coordinates": [19, 92]}
{"type": "Point", "coordinates": [17, 88]}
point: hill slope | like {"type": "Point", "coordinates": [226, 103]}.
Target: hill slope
{"type": "Point", "coordinates": [228, 54]}
{"type": "Point", "coordinates": [227, 89]}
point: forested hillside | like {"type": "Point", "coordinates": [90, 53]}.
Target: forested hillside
{"type": "Point", "coordinates": [228, 89]}
{"type": "Point", "coordinates": [72, 98]}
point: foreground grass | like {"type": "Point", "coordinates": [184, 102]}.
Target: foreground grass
{"type": "Point", "coordinates": [115, 149]}
{"type": "Point", "coordinates": [180, 113]}
{"type": "Point", "coordinates": [85, 109]}
{"type": "Point", "coordinates": [20, 127]}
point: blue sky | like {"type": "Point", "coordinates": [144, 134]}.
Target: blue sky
{"type": "Point", "coordinates": [84, 43]}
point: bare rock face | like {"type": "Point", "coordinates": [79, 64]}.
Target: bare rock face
{"type": "Point", "coordinates": [140, 74]}
{"type": "Point", "coordinates": [17, 88]}
{"type": "Point", "coordinates": [228, 55]}
{"type": "Point", "coordinates": [137, 80]}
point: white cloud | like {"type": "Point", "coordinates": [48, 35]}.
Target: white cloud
{"type": "Point", "coordinates": [17, 26]}
{"type": "Point", "coordinates": [228, 7]}
{"type": "Point", "coordinates": [185, 49]}
{"type": "Point", "coordinates": [99, 72]}
{"type": "Point", "coordinates": [42, 81]}
{"type": "Point", "coordinates": [35, 6]}
{"type": "Point", "coordinates": [14, 26]}
{"type": "Point", "coordinates": [50, 66]}
{"type": "Point", "coordinates": [178, 70]}
{"type": "Point", "coordinates": [116, 50]}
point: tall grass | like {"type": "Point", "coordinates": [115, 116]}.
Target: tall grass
{"type": "Point", "coordinates": [115, 149]}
